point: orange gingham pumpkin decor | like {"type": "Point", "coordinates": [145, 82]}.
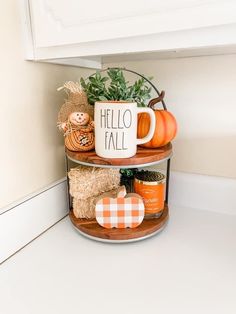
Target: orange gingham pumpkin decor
{"type": "Point", "coordinates": [125, 211]}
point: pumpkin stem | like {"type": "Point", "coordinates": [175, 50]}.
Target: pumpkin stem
{"type": "Point", "coordinates": [154, 101]}
{"type": "Point", "coordinates": [121, 191]}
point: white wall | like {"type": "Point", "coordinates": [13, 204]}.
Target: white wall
{"type": "Point", "coordinates": [31, 147]}
{"type": "Point", "coordinates": [201, 92]}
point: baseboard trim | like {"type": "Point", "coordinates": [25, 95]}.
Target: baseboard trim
{"type": "Point", "coordinates": [212, 193]}
{"type": "Point", "coordinates": [24, 220]}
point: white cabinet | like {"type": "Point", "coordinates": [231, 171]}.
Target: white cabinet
{"type": "Point", "coordinates": [90, 30]}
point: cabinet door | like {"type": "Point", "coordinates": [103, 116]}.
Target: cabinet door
{"type": "Point", "coordinates": [63, 22]}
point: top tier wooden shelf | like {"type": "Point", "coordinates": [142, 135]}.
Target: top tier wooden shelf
{"type": "Point", "coordinates": [144, 157]}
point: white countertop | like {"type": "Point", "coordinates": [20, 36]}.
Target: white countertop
{"type": "Point", "coordinates": [190, 267]}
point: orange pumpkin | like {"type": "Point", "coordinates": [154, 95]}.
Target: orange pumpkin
{"type": "Point", "coordinates": [124, 211]}
{"type": "Point", "coordinates": [166, 126]}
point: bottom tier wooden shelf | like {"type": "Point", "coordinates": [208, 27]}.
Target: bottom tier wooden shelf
{"type": "Point", "coordinates": [148, 228]}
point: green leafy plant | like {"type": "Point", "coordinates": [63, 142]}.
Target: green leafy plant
{"type": "Point", "coordinates": [115, 87]}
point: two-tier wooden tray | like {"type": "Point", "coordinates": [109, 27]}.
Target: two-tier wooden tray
{"type": "Point", "coordinates": [143, 158]}
{"type": "Point", "coordinates": [149, 227]}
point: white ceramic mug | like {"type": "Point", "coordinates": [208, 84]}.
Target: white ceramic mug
{"type": "Point", "coordinates": [116, 128]}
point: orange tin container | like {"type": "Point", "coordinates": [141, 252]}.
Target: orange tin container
{"type": "Point", "coordinates": [152, 192]}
